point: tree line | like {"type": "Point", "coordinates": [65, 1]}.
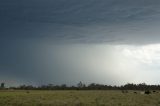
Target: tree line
{"type": "Point", "coordinates": [82, 86]}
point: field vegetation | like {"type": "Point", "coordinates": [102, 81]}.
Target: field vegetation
{"type": "Point", "coordinates": [78, 98]}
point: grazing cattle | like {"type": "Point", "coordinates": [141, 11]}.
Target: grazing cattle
{"type": "Point", "coordinates": [135, 92]}
{"type": "Point", "coordinates": [154, 91]}
{"type": "Point", "coordinates": [147, 92]}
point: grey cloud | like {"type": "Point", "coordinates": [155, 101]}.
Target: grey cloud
{"type": "Point", "coordinates": [81, 21]}
{"type": "Point", "coordinates": [29, 29]}
{"type": "Point", "coordinates": [77, 12]}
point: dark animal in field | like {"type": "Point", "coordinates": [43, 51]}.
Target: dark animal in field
{"type": "Point", "coordinates": [135, 92]}
{"type": "Point", "coordinates": [147, 92]}
{"type": "Point", "coordinates": [155, 91]}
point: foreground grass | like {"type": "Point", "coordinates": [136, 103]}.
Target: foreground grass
{"type": "Point", "coordinates": [77, 98]}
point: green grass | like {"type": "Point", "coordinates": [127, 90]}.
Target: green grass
{"type": "Point", "coordinates": [77, 98]}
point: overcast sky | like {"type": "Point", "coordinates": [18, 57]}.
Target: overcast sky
{"type": "Point", "coordinates": [67, 41]}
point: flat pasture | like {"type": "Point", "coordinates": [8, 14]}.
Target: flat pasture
{"type": "Point", "coordinates": [77, 98]}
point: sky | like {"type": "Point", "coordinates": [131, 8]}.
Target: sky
{"type": "Point", "coordinates": [111, 42]}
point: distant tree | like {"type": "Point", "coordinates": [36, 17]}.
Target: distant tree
{"type": "Point", "coordinates": [63, 86]}
{"type": "Point", "coordinates": [50, 86]}
{"type": "Point", "coordinates": [92, 86]}
{"type": "Point", "coordinates": [142, 86]}
{"type": "Point", "coordinates": [2, 85]}
{"type": "Point", "coordinates": [80, 85]}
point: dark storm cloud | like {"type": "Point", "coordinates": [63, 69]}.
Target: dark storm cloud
{"type": "Point", "coordinates": [91, 21]}
{"type": "Point", "coordinates": [28, 26]}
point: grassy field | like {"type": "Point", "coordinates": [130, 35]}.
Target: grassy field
{"type": "Point", "coordinates": [77, 98]}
